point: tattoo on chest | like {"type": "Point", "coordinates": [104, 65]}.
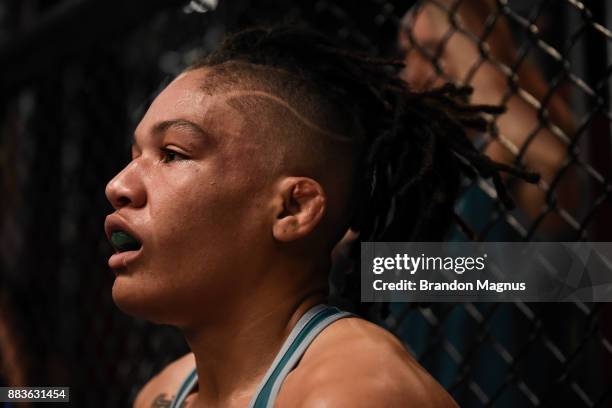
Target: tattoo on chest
{"type": "Point", "coordinates": [161, 401]}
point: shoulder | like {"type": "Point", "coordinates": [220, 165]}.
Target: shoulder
{"type": "Point", "coordinates": [355, 363]}
{"type": "Point", "coordinates": [165, 384]}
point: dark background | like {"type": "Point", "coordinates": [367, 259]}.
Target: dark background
{"type": "Point", "coordinates": [74, 78]}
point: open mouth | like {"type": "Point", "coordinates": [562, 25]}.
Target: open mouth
{"type": "Point", "coordinates": [123, 242]}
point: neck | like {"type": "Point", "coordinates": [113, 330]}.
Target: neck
{"type": "Point", "coordinates": [233, 354]}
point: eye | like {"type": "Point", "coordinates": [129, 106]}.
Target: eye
{"type": "Point", "coordinates": [170, 155]}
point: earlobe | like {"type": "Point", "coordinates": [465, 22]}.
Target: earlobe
{"type": "Point", "coordinates": [303, 206]}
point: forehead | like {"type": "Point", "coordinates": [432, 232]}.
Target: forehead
{"type": "Point", "coordinates": [237, 134]}
{"type": "Point", "coordinates": [184, 99]}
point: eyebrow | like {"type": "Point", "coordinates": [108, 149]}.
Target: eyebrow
{"type": "Point", "coordinates": [161, 127]}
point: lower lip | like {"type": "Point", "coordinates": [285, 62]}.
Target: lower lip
{"type": "Point", "coordinates": [122, 259]}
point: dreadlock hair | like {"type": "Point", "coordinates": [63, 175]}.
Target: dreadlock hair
{"type": "Point", "coordinates": [414, 146]}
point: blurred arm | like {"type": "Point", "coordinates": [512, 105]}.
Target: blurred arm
{"type": "Point", "coordinates": [520, 130]}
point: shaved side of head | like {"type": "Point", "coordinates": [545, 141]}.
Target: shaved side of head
{"type": "Point", "coordinates": [303, 133]}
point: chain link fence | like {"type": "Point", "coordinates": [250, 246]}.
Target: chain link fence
{"type": "Point", "coordinates": [76, 74]}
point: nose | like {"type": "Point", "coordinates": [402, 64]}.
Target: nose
{"type": "Point", "coordinates": [127, 188]}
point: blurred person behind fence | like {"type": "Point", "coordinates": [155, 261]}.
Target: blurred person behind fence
{"type": "Point", "coordinates": [448, 40]}
{"type": "Point", "coordinates": [538, 134]}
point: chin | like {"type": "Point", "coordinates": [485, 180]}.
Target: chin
{"type": "Point", "coordinates": [133, 298]}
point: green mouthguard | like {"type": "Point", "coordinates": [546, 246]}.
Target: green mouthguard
{"type": "Point", "coordinates": [124, 241]}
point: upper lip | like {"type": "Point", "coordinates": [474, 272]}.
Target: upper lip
{"type": "Point", "coordinates": [114, 223]}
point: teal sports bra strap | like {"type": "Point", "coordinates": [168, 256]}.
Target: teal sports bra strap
{"type": "Point", "coordinates": [305, 331]}
{"type": "Point", "coordinates": [307, 328]}
{"type": "Point", "coordinates": [185, 389]}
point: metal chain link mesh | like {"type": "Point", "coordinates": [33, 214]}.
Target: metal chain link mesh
{"type": "Point", "coordinates": [74, 79]}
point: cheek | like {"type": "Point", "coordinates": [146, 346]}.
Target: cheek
{"type": "Point", "coordinates": [198, 213]}
{"type": "Point", "coordinates": [189, 207]}
{"type": "Point", "coordinates": [201, 225]}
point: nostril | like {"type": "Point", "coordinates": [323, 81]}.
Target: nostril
{"type": "Point", "coordinates": [123, 201]}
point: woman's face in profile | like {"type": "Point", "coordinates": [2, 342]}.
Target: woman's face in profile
{"type": "Point", "coordinates": [192, 198]}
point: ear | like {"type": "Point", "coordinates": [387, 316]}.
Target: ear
{"type": "Point", "coordinates": [300, 208]}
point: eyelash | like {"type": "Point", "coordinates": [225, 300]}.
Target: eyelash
{"type": "Point", "coordinates": [167, 153]}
